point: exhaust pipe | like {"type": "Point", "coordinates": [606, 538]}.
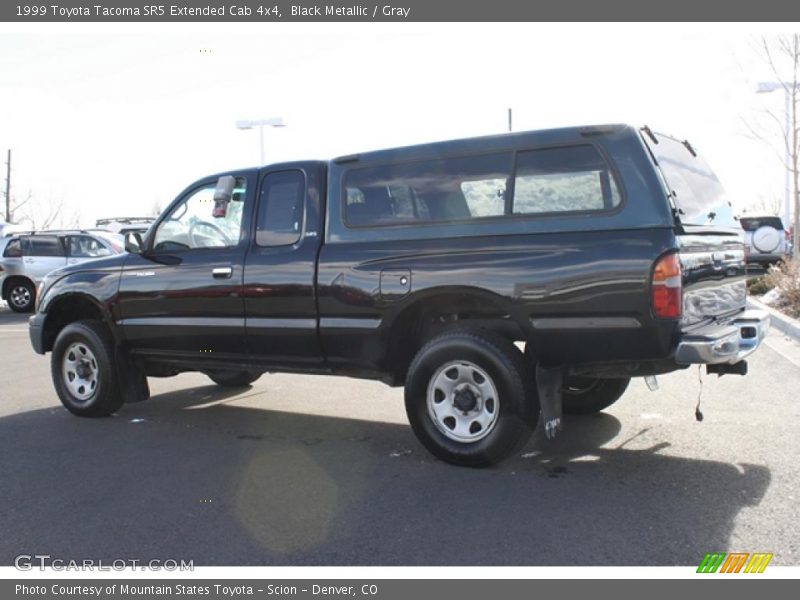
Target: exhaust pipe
{"type": "Point", "coordinates": [739, 368]}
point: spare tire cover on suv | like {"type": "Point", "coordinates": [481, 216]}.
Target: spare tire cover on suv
{"type": "Point", "coordinates": [766, 238]}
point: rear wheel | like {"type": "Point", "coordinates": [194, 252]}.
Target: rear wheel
{"type": "Point", "coordinates": [83, 370]}
{"type": "Point", "coordinates": [21, 296]}
{"type": "Point", "coordinates": [233, 378]}
{"type": "Point", "coordinates": [589, 395]}
{"type": "Point", "coordinates": [469, 398]}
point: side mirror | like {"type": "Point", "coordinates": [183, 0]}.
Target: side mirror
{"type": "Point", "coordinates": [223, 194]}
{"type": "Point", "coordinates": [134, 243]}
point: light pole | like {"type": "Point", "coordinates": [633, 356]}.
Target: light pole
{"type": "Point", "coordinates": [261, 123]}
{"type": "Point", "coordinates": [765, 87]}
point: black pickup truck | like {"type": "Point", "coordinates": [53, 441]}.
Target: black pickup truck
{"type": "Point", "coordinates": [604, 252]}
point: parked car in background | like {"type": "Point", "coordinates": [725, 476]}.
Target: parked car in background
{"type": "Point", "coordinates": [765, 240]}
{"type": "Point", "coordinates": [27, 257]}
{"type": "Point", "coordinates": [125, 225]}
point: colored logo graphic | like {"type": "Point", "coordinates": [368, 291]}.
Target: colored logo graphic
{"type": "Point", "coordinates": [735, 562]}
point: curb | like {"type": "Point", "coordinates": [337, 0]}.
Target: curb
{"type": "Point", "coordinates": [785, 324]}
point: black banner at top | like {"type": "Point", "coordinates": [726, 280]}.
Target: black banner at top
{"type": "Point", "coordinates": [253, 11]}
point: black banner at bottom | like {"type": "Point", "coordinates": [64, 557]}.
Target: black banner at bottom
{"type": "Point", "coordinates": [387, 589]}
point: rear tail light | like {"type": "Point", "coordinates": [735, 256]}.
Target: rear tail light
{"type": "Point", "coordinates": [666, 287]}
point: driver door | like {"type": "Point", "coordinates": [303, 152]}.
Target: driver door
{"type": "Point", "coordinates": [183, 296]}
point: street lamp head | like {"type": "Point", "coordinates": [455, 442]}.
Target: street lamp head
{"type": "Point", "coordinates": [273, 122]}
{"type": "Point", "coordinates": [261, 123]}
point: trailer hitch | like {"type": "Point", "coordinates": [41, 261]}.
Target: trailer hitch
{"type": "Point", "coordinates": [738, 368]}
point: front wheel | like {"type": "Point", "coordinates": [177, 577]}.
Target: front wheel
{"type": "Point", "coordinates": [589, 395]}
{"type": "Point", "coordinates": [233, 378]}
{"type": "Point", "coordinates": [469, 398]}
{"type": "Point", "coordinates": [82, 366]}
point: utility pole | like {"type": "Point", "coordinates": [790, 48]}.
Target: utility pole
{"type": "Point", "coordinates": [8, 187]}
{"type": "Point", "coordinates": [509, 121]}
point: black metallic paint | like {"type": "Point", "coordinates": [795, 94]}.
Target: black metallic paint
{"type": "Point", "coordinates": [280, 302]}
{"type": "Point", "coordinates": [529, 278]}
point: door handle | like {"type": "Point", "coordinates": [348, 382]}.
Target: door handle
{"type": "Point", "coordinates": [222, 272]}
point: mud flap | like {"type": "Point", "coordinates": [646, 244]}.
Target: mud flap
{"type": "Point", "coordinates": [132, 380]}
{"type": "Point", "coordinates": [548, 384]}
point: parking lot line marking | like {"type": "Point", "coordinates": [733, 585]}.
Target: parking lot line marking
{"type": "Point", "coordinates": [785, 348]}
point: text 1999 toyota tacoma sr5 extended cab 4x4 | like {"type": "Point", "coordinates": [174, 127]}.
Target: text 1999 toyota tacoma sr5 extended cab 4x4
{"type": "Point", "coordinates": [609, 252]}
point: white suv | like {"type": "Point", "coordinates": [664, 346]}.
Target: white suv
{"type": "Point", "coordinates": [765, 240]}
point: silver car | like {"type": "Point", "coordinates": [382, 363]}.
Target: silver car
{"type": "Point", "coordinates": [765, 240]}
{"type": "Point", "coordinates": [26, 258]}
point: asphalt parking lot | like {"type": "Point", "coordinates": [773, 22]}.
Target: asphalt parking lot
{"type": "Point", "coordinates": [303, 470]}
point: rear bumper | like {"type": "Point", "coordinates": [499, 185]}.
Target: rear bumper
{"type": "Point", "coordinates": [761, 259]}
{"type": "Point", "coordinates": [727, 343]}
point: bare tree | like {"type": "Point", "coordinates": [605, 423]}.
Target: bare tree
{"type": "Point", "coordinates": [15, 205]}
{"type": "Point", "coordinates": [40, 215]}
{"type": "Point", "coordinates": [772, 207]}
{"type": "Point", "coordinates": [782, 55]}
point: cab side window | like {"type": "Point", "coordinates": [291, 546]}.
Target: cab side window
{"type": "Point", "coordinates": [197, 223]}
{"type": "Point", "coordinates": [280, 209]}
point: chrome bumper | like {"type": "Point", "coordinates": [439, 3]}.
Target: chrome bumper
{"type": "Point", "coordinates": [727, 343]}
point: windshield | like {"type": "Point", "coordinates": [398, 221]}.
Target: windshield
{"type": "Point", "coordinates": [697, 194]}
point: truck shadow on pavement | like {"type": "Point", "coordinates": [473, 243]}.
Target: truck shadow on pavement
{"type": "Point", "coordinates": [186, 476]}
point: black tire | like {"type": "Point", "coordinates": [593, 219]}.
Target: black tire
{"type": "Point", "coordinates": [21, 296]}
{"type": "Point", "coordinates": [588, 395]}
{"type": "Point", "coordinates": [83, 354]}
{"type": "Point", "coordinates": [464, 360]}
{"type": "Point", "coordinates": [233, 378]}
